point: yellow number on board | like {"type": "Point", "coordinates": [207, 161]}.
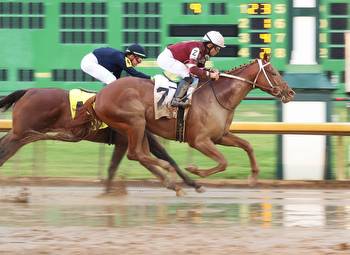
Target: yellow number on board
{"type": "Point", "coordinates": [266, 9]}
{"type": "Point", "coordinates": [196, 8]}
{"type": "Point", "coordinates": [253, 9]}
{"type": "Point", "coordinates": [263, 51]}
{"type": "Point", "coordinates": [265, 37]}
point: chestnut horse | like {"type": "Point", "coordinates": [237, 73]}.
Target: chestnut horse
{"type": "Point", "coordinates": [127, 105]}
{"type": "Point", "coordinates": [39, 111]}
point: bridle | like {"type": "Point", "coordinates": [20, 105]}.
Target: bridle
{"type": "Point", "coordinates": [254, 83]}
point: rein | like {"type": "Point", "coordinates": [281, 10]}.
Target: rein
{"type": "Point", "coordinates": [217, 99]}
{"type": "Point", "coordinates": [254, 83]}
{"type": "Point", "coordinates": [261, 69]}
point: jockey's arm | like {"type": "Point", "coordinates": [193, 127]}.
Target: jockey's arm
{"type": "Point", "coordinates": [204, 73]}
{"type": "Point", "coordinates": [201, 73]}
{"type": "Point", "coordinates": [130, 70]}
{"type": "Point", "coordinates": [195, 66]}
{"type": "Point", "coordinates": [133, 72]}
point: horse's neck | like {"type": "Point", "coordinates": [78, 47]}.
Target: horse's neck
{"type": "Point", "coordinates": [237, 89]}
{"type": "Point", "coordinates": [231, 92]}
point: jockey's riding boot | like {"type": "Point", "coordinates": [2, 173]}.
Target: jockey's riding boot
{"type": "Point", "coordinates": [181, 90]}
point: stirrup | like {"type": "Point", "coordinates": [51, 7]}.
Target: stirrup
{"type": "Point", "coordinates": [177, 102]}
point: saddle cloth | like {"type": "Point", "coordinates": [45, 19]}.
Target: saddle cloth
{"type": "Point", "coordinates": [164, 91]}
{"type": "Point", "coordinates": [78, 97]}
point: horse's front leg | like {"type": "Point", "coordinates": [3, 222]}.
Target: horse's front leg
{"type": "Point", "coordinates": [230, 139]}
{"type": "Point", "coordinates": [207, 147]}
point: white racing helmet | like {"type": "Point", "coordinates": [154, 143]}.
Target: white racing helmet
{"type": "Point", "coordinates": [215, 38]}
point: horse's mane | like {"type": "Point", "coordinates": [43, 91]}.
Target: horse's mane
{"type": "Point", "coordinates": [239, 68]}
{"type": "Point", "coordinates": [234, 70]}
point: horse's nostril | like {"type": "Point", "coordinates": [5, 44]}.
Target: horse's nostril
{"type": "Point", "coordinates": [291, 93]}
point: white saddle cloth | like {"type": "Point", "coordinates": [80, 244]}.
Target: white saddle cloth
{"type": "Point", "coordinates": [164, 91]}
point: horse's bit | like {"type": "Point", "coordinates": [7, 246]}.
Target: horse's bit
{"type": "Point", "coordinates": [261, 69]}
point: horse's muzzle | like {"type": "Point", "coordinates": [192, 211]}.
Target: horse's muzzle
{"type": "Point", "coordinates": [287, 96]}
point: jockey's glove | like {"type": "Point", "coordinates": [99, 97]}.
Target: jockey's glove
{"type": "Point", "coordinates": [212, 70]}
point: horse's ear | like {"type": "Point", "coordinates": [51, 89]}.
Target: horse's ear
{"type": "Point", "coordinates": [267, 57]}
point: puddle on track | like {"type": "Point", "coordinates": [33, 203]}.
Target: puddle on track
{"type": "Point", "coordinates": [77, 220]}
{"type": "Point", "coordinates": [83, 206]}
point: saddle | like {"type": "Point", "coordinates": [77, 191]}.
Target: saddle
{"type": "Point", "coordinates": [77, 97]}
{"type": "Point", "coordinates": [164, 91]}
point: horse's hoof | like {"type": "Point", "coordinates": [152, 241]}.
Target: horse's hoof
{"type": "Point", "coordinates": [252, 181]}
{"type": "Point", "coordinates": [104, 194]}
{"type": "Point", "coordinates": [200, 189]}
{"type": "Point", "coordinates": [180, 193]}
{"type": "Point", "coordinates": [118, 191]}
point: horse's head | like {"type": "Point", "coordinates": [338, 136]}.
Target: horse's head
{"type": "Point", "coordinates": [270, 80]}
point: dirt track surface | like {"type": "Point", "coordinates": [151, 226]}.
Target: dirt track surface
{"type": "Point", "coordinates": [152, 220]}
{"type": "Point", "coordinates": [226, 183]}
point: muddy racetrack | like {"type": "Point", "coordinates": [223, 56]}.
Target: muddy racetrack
{"type": "Point", "coordinates": [152, 220]}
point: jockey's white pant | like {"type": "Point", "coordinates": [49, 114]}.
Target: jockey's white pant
{"type": "Point", "coordinates": [167, 62]}
{"type": "Point", "coordinates": [89, 64]}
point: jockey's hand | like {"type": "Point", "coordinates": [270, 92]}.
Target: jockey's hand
{"type": "Point", "coordinates": [212, 69]}
{"type": "Point", "coordinates": [214, 75]}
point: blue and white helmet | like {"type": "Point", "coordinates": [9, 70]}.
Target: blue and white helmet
{"type": "Point", "coordinates": [137, 50]}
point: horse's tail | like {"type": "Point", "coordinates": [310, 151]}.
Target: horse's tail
{"type": "Point", "coordinates": [7, 101]}
{"type": "Point", "coordinates": [85, 121]}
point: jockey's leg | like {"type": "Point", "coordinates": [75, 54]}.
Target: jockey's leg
{"type": "Point", "coordinates": [181, 91]}
{"type": "Point", "coordinates": [167, 62]}
{"type": "Point", "coordinates": [90, 65]}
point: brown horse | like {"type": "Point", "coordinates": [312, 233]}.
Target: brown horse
{"type": "Point", "coordinates": [127, 105]}
{"type": "Point", "coordinates": [39, 111]}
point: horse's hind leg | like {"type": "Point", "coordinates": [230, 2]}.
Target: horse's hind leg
{"type": "Point", "coordinates": [136, 149]}
{"type": "Point", "coordinates": [170, 184]}
{"type": "Point", "coordinates": [118, 154]}
{"type": "Point", "coordinates": [158, 150]}
{"type": "Point", "coordinates": [9, 145]}
{"type": "Point", "coordinates": [232, 140]}
{"type": "Point", "coordinates": [33, 135]}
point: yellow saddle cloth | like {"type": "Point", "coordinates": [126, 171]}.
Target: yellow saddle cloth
{"type": "Point", "coordinates": [78, 97]}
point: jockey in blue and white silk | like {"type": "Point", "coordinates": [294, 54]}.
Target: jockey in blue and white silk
{"type": "Point", "coordinates": [106, 64]}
